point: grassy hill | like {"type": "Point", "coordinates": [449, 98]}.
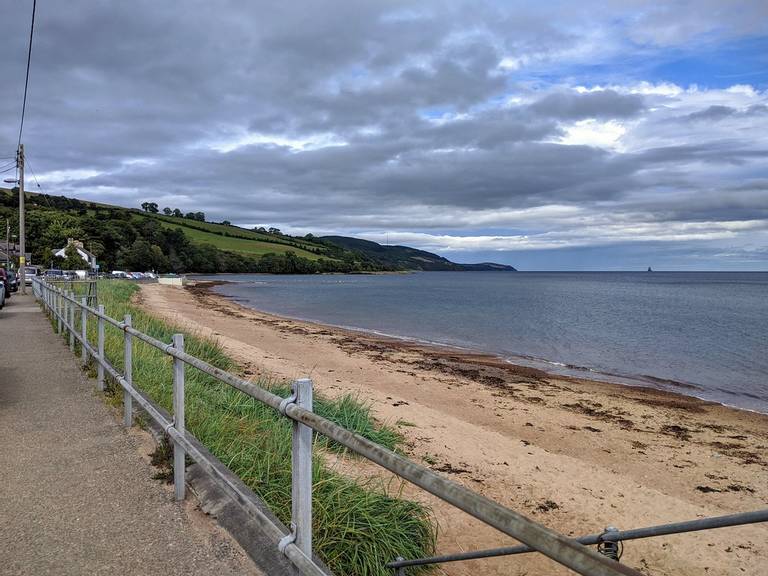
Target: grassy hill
{"type": "Point", "coordinates": [407, 258]}
{"type": "Point", "coordinates": [238, 240]}
{"type": "Point", "coordinates": [128, 238]}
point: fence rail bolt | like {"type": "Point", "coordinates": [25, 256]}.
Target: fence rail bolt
{"type": "Point", "coordinates": [128, 361]}
{"type": "Point", "coordinates": [178, 419]}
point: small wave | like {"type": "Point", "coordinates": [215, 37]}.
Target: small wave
{"type": "Point", "coordinates": [669, 382]}
{"type": "Point", "coordinates": [739, 393]}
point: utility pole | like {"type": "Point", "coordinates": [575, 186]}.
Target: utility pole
{"type": "Point", "coordinates": [7, 241]}
{"type": "Point", "coordinates": [22, 229]}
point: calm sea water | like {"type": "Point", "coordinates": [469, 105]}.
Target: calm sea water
{"type": "Point", "coordinates": [703, 334]}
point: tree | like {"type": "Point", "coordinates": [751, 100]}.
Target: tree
{"type": "Point", "coordinates": [167, 211]}
{"type": "Point", "coordinates": [177, 213]}
{"type": "Point", "coordinates": [227, 223]}
{"type": "Point", "coordinates": [142, 255]}
{"type": "Point", "coordinates": [274, 231]}
{"type": "Point", "coordinates": [72, 259]}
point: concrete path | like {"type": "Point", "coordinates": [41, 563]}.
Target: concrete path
{"type": "Point", "coordinates": [76, 497]}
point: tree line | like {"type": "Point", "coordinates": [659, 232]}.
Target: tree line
{"type": "Point", "coordinates": [152, 208]}
{"type": "Point", "coordinates": [123, 240]}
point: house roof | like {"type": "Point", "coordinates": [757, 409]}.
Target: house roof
{"type": "Point", "coordinates": [80, 248]}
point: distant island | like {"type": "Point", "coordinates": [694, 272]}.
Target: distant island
{"type": "Point", "coordinates": [168, 240]}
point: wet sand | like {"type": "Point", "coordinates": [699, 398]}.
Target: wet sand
{"type": "Point", "coordinates": [575, 455]}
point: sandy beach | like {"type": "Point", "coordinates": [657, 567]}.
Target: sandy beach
{"type": "Point", "coordinates": [575, 455]}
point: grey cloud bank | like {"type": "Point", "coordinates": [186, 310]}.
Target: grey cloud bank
{"type": "Point", "coordinates": [468, 128]}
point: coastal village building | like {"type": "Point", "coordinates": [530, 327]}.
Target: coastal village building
{"type": "Point", "coordinates": [88, 257]}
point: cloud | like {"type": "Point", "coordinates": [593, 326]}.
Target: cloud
{"type": "Point", "coordinates": [602, 104]}
{"type": "Point", "coordinates": [435, 120]}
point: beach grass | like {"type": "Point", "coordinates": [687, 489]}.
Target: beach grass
{"type": "Point", "coordinates": [358, 525]}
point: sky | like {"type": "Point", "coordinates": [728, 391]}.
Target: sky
{"type": "Point", "coordinates": [546, 135]}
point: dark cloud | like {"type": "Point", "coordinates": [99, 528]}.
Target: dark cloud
{"type": "Point", "coordinates": [350, 115]}
{"type": "Point", "coordinates": [712, 113]}
{"type": "Point", "coordinates": [719, 112]}
{"type": "Point", "coordinates": [602, 104]}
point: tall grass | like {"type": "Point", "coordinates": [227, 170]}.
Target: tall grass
{"type": "Point", "coordinates": [357, 525]}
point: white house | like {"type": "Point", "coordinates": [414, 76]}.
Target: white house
{"type": "Point", "coordinates": [88, 258]}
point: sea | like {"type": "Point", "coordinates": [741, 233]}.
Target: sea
{"type": "Point", "coordinates": [703, 334]}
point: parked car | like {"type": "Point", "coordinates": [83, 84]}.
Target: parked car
{"type": "Point", "coordinates": [2, 295]}
{"type": "Point", "coordinates": [29, 273]}
{"type": "Point", "coordinates": [13, 280]}
{"type": "Point", "coordinates": [6, 282]}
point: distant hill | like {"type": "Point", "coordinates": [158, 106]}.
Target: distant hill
{"type": "Point", "coordinates": [129, 238]}
{"type": "Point", "coordinates": [407, 258]}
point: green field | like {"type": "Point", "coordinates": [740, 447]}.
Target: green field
{"type": "Point", "coordinates": [224, 230]}
{"type": "Point", "coordinates": [254, 247]}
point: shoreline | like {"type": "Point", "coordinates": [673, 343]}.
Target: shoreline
{"type": "Point", "coordinates": [475, 356]}
{"type": "Point", "coordinates": [574, 454]}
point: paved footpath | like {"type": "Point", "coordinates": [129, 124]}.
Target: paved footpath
{"type": "Point", "coordinates": [76, 497]}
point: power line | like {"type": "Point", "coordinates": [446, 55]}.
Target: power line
{"type": "Point", "coordinates": [29, 60]}
{"type": "Point", "coordinates": [34, 176]}
{"type": "Point", "coordinates": [43, 193]}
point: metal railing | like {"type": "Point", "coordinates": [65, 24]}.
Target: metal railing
{"type": "Point", "coordinates": [297, 545]}
{"type": "Point", "coordinates": [82, 287]}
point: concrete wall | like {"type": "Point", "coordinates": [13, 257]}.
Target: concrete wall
{"type": "Point", "coordinates": [172, 280]}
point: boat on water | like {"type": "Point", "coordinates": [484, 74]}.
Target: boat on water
{"type": "Point", "coordinates": [649, 269]}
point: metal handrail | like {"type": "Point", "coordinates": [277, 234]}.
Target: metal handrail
{"type": "Point", "coordinates": [699, 524]}
{"type": "Point", "coordinates": [556, 546]}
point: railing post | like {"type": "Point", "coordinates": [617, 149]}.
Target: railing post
{"type": "Point", "coordinates": [178, 419]}
{"type": "Point", "coordinates": [99, 363]}
{"type": "Point", "coordinates": [84, 329]}
{"type": "Point", "coordinates": [128, 361]}
{"type": "Point", "coordinates": [58, 311]}
{"type": "Point", "coordinates": [70, 316]}
{"type": "Point", "coordinates": [301, 471]}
